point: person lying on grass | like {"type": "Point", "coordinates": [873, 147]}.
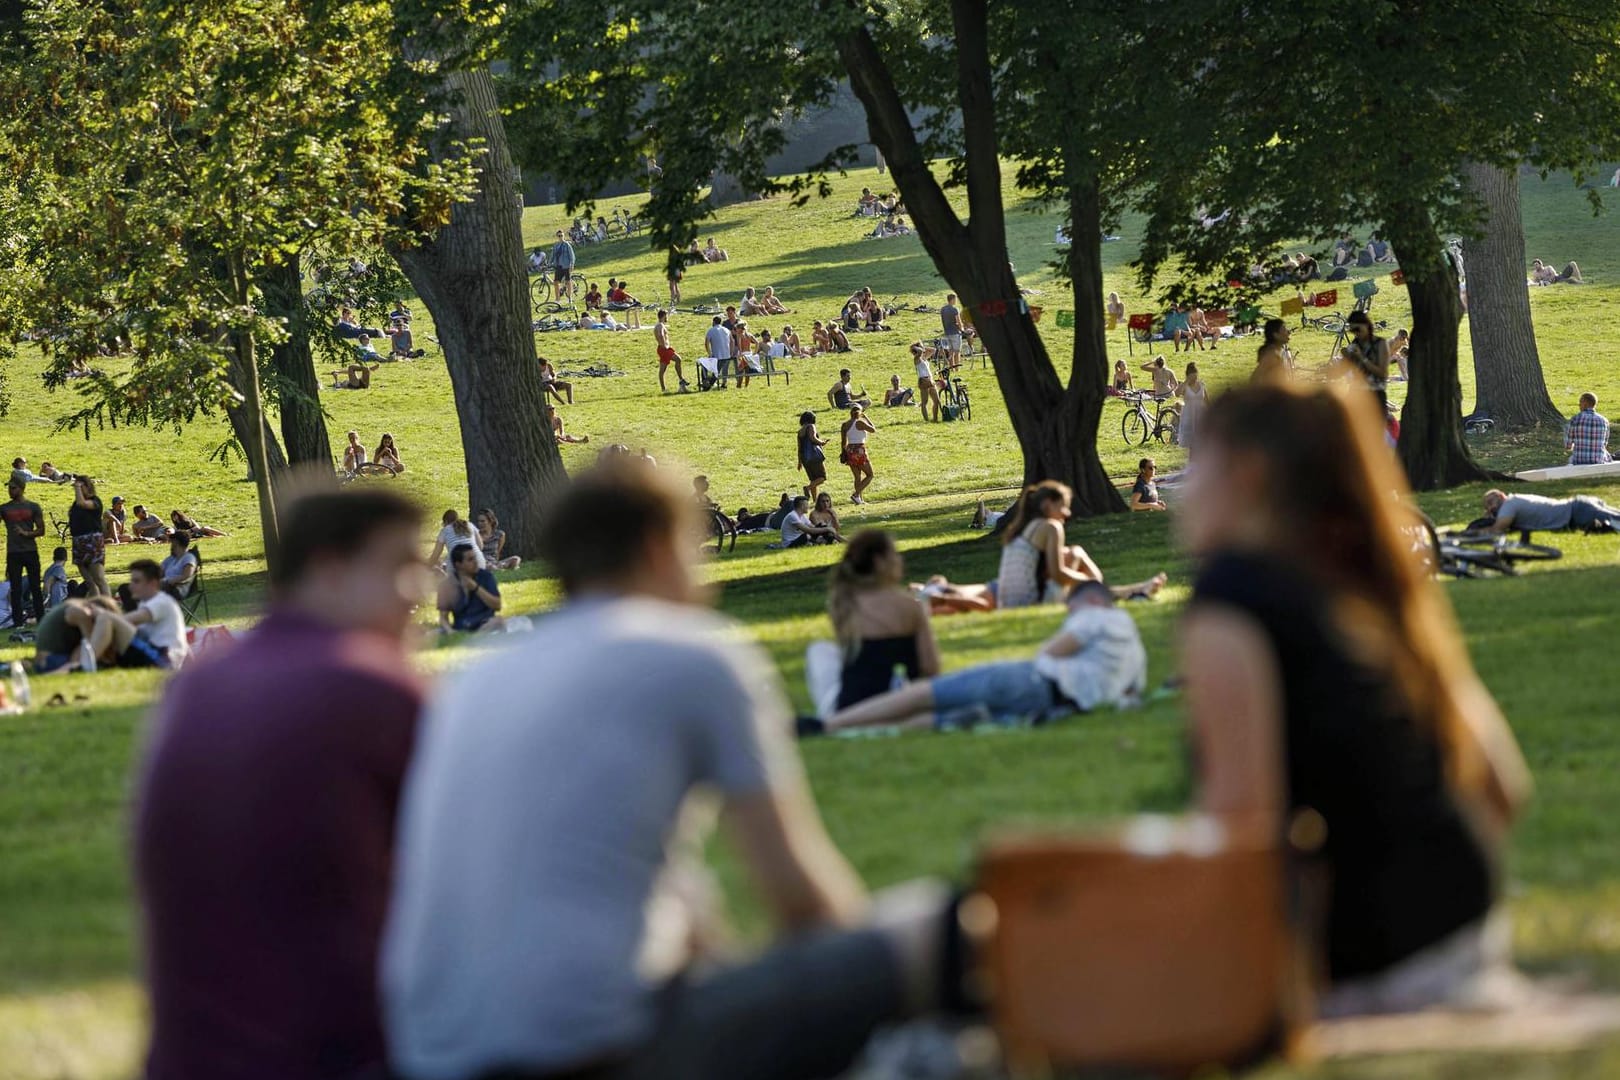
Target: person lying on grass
{"type": "Point", "coordinates": [148, 528]}
{"type": "Point", "coordinates": [184, 522]}
{"type": "Point", "coordinates": [1096, 658]}
{"type": "Point", "coordinates": [469, 599]}
{"type": "Point", "coordinates": [1538, 513]}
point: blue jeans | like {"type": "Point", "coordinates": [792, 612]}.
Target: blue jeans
{"type": "Point", "coordinates": [1010, 689]}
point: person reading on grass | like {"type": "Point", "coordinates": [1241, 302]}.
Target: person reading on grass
{"type": "Point", "coordinates": [667, 354]}
{"type": "Point", "coordinates": [469, 599]}
{"type": "Point", "coordinates": [518, 840]}
{"type": "Point", "coordinates": [879, 627]}
{"type": "Point", "coordinates": [153, 635]}
{"type": "Point", "coordinates": [260, 929]}
{"type": "Point", "coordinates": [1095, 659]}
{"type": "Point", "coordinates": [1329, 691]}
{"type": "Point", "coordinates": [1038, 565]}
{"type": "Point", "coordinates": [387, 455]}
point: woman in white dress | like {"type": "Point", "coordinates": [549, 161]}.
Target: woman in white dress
{"type": "Point", "coordinates": [1194, 395]}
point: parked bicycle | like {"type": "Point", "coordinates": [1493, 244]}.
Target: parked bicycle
{"type": "Point", "coordinates": [953, 394]}
{"type": "Point", "coordinates": [1139, 425]}
{"type": "Point", "coordinates": [541, 289]}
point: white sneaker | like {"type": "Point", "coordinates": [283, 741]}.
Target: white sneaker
{"type": "Point", "coordinates": [87, 658]}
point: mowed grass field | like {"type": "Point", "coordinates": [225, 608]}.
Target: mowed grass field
{"type": "Point", "coordinates": [70, 1005]}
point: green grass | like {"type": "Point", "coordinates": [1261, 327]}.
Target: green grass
{"type": "Point", "coordinates": [69, 1005]}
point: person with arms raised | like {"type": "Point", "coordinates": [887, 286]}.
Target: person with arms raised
{"type": "Point", "coordinates": [265, 810]}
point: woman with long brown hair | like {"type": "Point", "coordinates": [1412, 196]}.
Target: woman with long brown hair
{"type": "Point", "coordinates": [879, 627]}
{"type": "Point", "coordinates": [1328, 687]}
{"type": "Point", "coordinates": [1038, 564]}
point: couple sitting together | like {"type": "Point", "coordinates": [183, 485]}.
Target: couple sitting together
{"type": "Point", "coordinates": [1096, 658]}
{"type": "Point", "coordinates": [92, 632]}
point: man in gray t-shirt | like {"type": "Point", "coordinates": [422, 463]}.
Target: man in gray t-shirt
{"type": "Point", "coordinates": [1537, 513]}
{"type": "Point", "coordinates": [544, 898]}
{"type": "Point", "coordinates": [950, 318]}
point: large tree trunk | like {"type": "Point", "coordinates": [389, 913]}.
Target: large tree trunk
{"type": "Point", "coordinates": [1508, 384]}
{"type": "Point", "coordinates": [298, 387]}
{"type": "Point", "coordinates": [1057, 431]}
{"type": "Point", "coordinates": [1432, 446]}
{"type": "Point", "coordinates": [472, 280]}
{"type": "Point", "coordinates": [1089, 368]}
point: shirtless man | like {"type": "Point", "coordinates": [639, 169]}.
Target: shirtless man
{"type": "Point", "coordinates": [666, 353]}
{"type": "Point", "coordinates": [1164, 380]}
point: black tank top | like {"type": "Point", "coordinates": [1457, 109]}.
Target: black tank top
{"type": "Point", "coordinates": [869, 672]}
{"type": "Point", "coordinates": [1405, 868]}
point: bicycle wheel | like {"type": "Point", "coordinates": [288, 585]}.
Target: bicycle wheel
{"type": "Point", "coordinates": [1516, 553]}
{"type": "Point", "coordinates": [371, 468]}
{"type": "Point", "coordinates": [539, 291]}
{"type": "Point", "coordinates": [1134, 427]}
{"type": "Point", "coordinates": [963, 404]}
{"type": "Point", "coordinates": [1331, 323]}
{"type": "Point", "coordinates": [1164, 426]}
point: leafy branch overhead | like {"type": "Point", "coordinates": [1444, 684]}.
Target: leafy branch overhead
{"type": "Point", "coordinates": [153, 148]}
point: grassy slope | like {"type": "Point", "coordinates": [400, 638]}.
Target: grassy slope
{"type": "Point", "coordinates": [899, 807]}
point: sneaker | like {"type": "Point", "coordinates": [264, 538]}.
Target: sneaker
{"type": "Point", "coordinates": [856, 499]}
{"type": "Point", "coordinates": [87, 658]}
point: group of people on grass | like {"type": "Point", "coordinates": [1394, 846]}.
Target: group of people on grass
{"type": "Point", "coordinates": [505, 879]}
{"type": "Point", "coordinates": [34, 590]}
{"type": "Point", "coordinates": [467, 554]}
{"type": "Point", "coordinates": [386, 456]}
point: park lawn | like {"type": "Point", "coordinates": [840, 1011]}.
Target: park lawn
{"type": "Point", "coordinates": [898, 806]}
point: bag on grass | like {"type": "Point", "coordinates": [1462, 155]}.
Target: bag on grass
{"type": "Point", "coordinates": [948, 412]}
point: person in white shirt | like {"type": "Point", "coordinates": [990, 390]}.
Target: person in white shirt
{"type": "Point", "coordinates": [551, 915]}
{"type": "Point", "coordinates": [153, 635]}
{"type": "Point", "coordinates": [456, 532]}
{"type": "Point", "coordinates": [1096, 658]}
{"type": "Point", "coordinates": [798, 530]}
{"type": "Point", "coordinates": [927, 389]}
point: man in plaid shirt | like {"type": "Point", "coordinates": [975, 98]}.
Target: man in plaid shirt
{"type": "Point", "coordinates": [1588, 441]}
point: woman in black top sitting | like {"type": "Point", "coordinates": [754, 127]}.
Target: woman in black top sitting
{"type": "Point", "coordinates": [1328, 687]}
{"type": "Point", "coordinates": [878, 624]}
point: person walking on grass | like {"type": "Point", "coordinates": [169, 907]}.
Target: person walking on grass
{"type": "Point", "coordinates": [547, 816]}
{"type": "Point", "coordinates": [89, 545]}
{"type": "Point", "coordinates": [666, 353]}
{"type": "Point", "coordinates": [265, 810]}
{"type": "Point", "coordinates": [812, 458]}
{"type": "Point", "coordinates": [852, 450]}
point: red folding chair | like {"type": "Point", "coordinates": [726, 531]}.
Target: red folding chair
{"type": "Point", "coordinates": [1137, 324]}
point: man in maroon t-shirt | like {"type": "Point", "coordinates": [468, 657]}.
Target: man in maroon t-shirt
{"type": "Point", "coordinates": [264, 828]}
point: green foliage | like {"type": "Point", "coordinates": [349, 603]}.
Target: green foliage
{"type": "Point", "coordinates": [164, 156]}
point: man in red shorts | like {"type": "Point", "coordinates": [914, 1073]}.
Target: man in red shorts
{"type": "Point", "coordinates": [666, 352]}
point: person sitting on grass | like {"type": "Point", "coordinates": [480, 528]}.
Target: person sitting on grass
{"type": "Point", "coordinates": [837, 339]}
{"type": "Point", "coordinates": [354, 454]}
{"type": "Point", "coordinates": [873, 314]}
{"type": "Point", "coordinates": [790, 341]}
{"type": "Point", "coordinates": [469, 599]}
{"type": "Point", "coordinates": [1505, 512]}
{"type": "Point", "coordinates": [1145, 493]}
{"type": "Point", "coordinates": [1400, 347]}
{"type": "Point", "coordinates": [153, 635]}
{"type": "Point", "coordinates": [1038, 565]}
{"type": "Point", "coordinates": [619, 299]}
{"type": "Point", "coordinates": [593, 297]}
{"type": "Point", "coordinates": [1095, 659]}
{"type": "Point", "coordinates": [562, 435]}
{"type": "Point", "coordinates": [557, 388]}
{"type": "Point", "coordinates": [180, 568]}
{"type": "Point", "coordinates": [897, 395]}
{"type": "Point", "coordinates": [455, 531]}
{"type": "Point", "coordinates": [851, 318]}
{"type": "Point", "coordinates": [55, 581]}
{"type": "Point", "coordinates": [799, 531]}
{"type": "Point", "coordinates": [879, 627]}
{"type": "Point", "coordinates": [1164, 380]}
{"type": "Point", "coordinates": [1124, 381]}
{"type": "Point", "coordinates": [771, 304]}
{"type": "Point", "coordinates": [148, 528]}
{"type": "Point", "coordinates": [714, 253]}
{"type": "Point", "coordinates": [841, 395]}
{"type": "Point", "coordinates": [184, 522]}
{"type": "Point", "coordinates": [387, 455]}
{"type": "Point", "coordinates": [749, 304]}
{"type": "Point", "coordinates": [492, 541]}
{"type": "Point", "coordinates": [365, 351]}
{"type": "Point", "coordinates": [825, 517]}
{"type": "Point", "coordinates": [404, 344]}
{"type": "Point", "coordinates": [1587, 438]}
{"type": "Point", "coordinates": [115, 522]}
